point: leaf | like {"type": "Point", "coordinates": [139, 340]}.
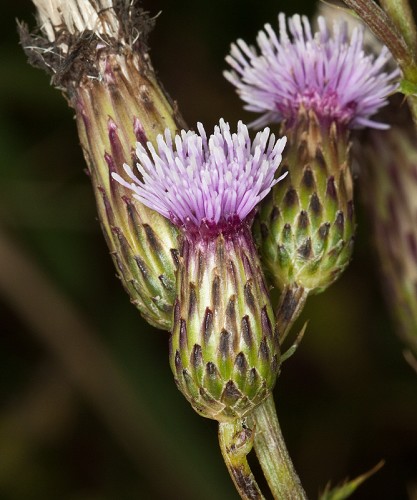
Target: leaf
{"type": "Point", "coordinates": [346, 489]}
{"type": "Point", "coordinates": [407, 88]}
{"type": "Point", "coordinates": [291, 350]}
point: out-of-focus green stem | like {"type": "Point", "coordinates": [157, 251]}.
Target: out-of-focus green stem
{"type": "Point", "coordinates": [396, 29]}
{"type": "Point", "coordinates": [412, 102]}
{"type": "Point", "coordinates": [402, 16]}
{"type": "Point", "coordinates": [273, 455]}
{"type": "Point", "coordinates": [236, 441]}
{"type": "Point", "coordinates": [383, 28]}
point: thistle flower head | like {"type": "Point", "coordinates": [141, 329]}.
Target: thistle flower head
{"type": "Point", "coordinates": [326, 72]}
{"type": "Point", "coordinates": [206, 184]}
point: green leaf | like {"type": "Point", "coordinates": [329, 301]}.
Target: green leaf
{"type": "Point", "coordinates": [346, 489]}
{"type": "Point", "coordinates": [291, 350]}
{"type": "Point", "coordinates": [407, 88]}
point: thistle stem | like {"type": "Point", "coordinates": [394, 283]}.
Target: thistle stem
{"type": "Point", "coordinates": [402, 16]}
{"type": "Point", "coordinates": [236, 441]}
{"type": "Point", "coordinates": [383, 28]}
{"type": "Point", "coordinates": [273, 455]}
{"type": "Point", "coordinates": [269, 442]}
{"type": "Point", "coordinates": [394, 26]}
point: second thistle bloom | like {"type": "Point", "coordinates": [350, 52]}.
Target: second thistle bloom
{"type": "Point", "coordinates": [326, 72]}
{"type": "Point", "coordinates": [224, 347]}
{"type": "Point", "coordinates": [319, 86]}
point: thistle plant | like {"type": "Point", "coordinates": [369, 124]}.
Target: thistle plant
{"type": "Point", "coordinates": [224, 349]}
{"type": "Point", "coordinates": [392, 22]}
{"type": "Point", "coordinates": [318, 86]}
{"type": "Point", "coordinates": [97, 55]}
{"type": "Point", "coordinates": [194, 227]}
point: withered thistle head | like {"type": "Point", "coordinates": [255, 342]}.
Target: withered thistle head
{"type": "Point", "coordinates": [96, 52]}
{"type": "Point", "coordinates": [319, 86]}
{"type": "Point", "coordinates": [224, 347]}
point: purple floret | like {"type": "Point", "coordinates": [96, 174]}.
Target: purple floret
{"type": "Point", "coordinates": [213, 182]}
{"type": "Point", "coordinates": [328, 73]}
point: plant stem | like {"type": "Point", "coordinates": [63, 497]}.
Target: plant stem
{"type": "Point", "coordinates": [236, 441]}
{"type": "Point", "coordinates": [383, 28]}
{"type": "Point", "coordinates": [412, 102]}
{"type": "Point", "coordinates": [273, 455]}
{"type": "Point", "coordinates": [269, 442]}
{"type": "Point", "coordinates": [401, 15]}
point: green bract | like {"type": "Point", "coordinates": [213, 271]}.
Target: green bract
{"type": "Point", "coordinates": [224, 346]}
{"type": "Point", "coordinates": [305, 228]}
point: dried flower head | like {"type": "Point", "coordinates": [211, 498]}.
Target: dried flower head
{"type": "Point", "coordinates": [96, 53]}
{"type": "Point", "coordinates": [205, 183]}
{"type": "Point", "coordinates": [327, 72]}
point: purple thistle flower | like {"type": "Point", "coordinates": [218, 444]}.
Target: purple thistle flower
{"type": "Point", "coordinates": [328, 73]}
{"type": "Point", "coordinates": [206, 184]}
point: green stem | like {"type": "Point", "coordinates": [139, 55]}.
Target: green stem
{"type": "Point", "coordinates": [412, 104]}
{"type": "Point", "coordinates": [383, 28]}
{"type": "Point", "coordinates": [269, 442]}
{"type": "Point", "coordinates": [236, 441]}
{"type": "Point", "coordinates": [401, 14]}
{"type": "Point", "coordinates": [396, 29]}
{"type": "Point", "coordinates": [273, 455]}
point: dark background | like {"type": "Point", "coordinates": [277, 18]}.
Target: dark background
{"type": "Point", "coordinates": [89, 409]}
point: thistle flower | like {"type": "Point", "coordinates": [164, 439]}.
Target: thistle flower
{"type": "Point", "coordinates": [224, 351]}
{"type": "Point", "coordinates": [319, 86]}
{"type": "Point", "coordinates": [328, 73]}
{"type": "Point", "coordinates": [96, 52]}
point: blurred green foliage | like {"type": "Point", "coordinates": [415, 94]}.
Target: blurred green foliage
{"type": "Point", "coordinates": [346, 400]}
